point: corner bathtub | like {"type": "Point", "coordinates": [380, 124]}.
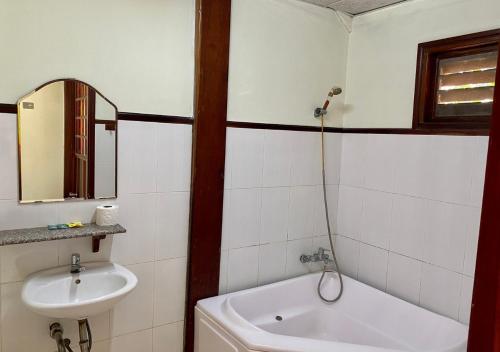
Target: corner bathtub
{"type": "Point", "coordinates": [289, 316]}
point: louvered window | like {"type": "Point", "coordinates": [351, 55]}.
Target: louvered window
{"type": "Point", "coordinates": [456, 82]}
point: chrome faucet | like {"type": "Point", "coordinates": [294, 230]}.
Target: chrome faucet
{"type": "Point", "coordinates": [319, 256]}
{"type": "Point", "coordinates": [76, 268]}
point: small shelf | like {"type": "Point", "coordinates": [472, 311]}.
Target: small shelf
{"type": "Point", "coordinates": [41, 234]}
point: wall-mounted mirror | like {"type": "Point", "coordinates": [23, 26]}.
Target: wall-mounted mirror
{"type": "Point", "coordinates": [67, 135]}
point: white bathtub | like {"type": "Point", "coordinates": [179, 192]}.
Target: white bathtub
{"type": "Point", "coordinates": [364, 320]}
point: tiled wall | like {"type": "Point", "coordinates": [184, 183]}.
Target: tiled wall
{"type": "Point", "coordinates": [406, 212]}
{"type": "Point", "coordinates": [153, 181]}
{"type": "Point", "coordinates": [273, 210]}
{"type": "Point", "coordinates": [408, 216]}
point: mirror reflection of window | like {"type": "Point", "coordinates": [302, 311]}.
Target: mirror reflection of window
{"type": "Point", "coordinates": [67, 143]}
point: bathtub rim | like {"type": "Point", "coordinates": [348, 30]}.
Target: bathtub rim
{"type": "Point", "coordinates": [254, 338]}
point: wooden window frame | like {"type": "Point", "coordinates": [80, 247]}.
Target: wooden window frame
{"type": "Point", "coordinates": [426, 82]}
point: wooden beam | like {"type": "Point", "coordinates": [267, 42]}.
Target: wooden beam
{"type": "Point", "coordinates": [209, 145]}
{"type": "Point", "coordinates": [484, 331]}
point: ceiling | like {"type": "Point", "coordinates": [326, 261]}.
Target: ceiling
{"type": "Point", "coordinates": [354, 7]}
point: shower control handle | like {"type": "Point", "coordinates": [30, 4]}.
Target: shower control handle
{"type": "Point", "coordinates": [319, 256]}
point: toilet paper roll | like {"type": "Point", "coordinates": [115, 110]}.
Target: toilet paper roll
{"type": "Point", "coordinates": [107, 215]}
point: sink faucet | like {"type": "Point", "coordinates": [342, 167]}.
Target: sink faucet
{"type": "Point", "coordinates": [76, 268]}
{"type": "Point", "coordinates": [319, 256]}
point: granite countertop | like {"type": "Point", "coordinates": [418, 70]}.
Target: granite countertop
{"type": "Point", "coordinates": [40, 234]}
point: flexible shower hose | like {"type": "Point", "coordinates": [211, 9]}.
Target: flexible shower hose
{"type": "Point", "coordinates": [325, 269]}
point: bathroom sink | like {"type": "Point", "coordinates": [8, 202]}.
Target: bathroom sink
{"type": "Point", "coordinates": [56, 293]}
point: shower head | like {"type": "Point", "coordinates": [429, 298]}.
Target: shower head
{"type": "Point", "coordinates": [319, 112]}
{"type": "Point", "coordinates": [335, 91]}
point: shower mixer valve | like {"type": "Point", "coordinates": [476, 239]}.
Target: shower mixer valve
{"type": "Point", "coordinates": [319, 256]}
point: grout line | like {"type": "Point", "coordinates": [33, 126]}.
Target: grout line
{"type": "Point", "coordinates": [406, 256]}
{"type": "Point", "coordinates": [410, 196]}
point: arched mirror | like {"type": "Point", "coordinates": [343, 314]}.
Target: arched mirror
{"type": "Point", "coordinates": [67, 134]}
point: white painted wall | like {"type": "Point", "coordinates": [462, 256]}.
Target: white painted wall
{"type": "Point", "coordinates": [383, 54]}
{"type": "Point", "coordinates": [139, 54]}
{"type": "Point", "coordinates": [41, 133]}
{"type": "Point", "coordinates": [285, 56]}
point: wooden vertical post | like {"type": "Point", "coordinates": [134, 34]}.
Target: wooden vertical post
{"type": "Point", "coordinates": [209, 145]}
{"type": "Point", "coordinates": [484, 332]}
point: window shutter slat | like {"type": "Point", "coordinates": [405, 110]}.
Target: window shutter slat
{"type": "Point", "coordinates": [460, 96]}
{"type": "Point", "coordinates": [461, 80]}
{"type": "Point", "coordinates": [469, 63]}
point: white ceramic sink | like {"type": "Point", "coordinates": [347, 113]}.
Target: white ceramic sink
{"type": "Point", "coordinates": [56, 293]}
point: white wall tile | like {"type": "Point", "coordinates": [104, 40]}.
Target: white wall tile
{"type": "Point", "coordinates": [408, 226]}
{"type": "Point", "coordinates": [272, 262]}
{"type": "Point", "coordinates": [243, 268]}
{"type": "Point", "coordinates": [403, 277]}
{"type": "Point", "coordinates": [246, 158]}
{"type": "Point", "coordinates": [277, 158]}
{"type": "Point", "coordinates": [137, 157]}
{"type": "Point", "coordinates": [80, 211]}
{"type": "Point", "coordinates": [440, 291]}
{"type": "Point", "coordinates": [380, 163]}
{"type": "Point", "coordinates": [478, 169]}
{"type": "Point", "coordinates": [16, 317]}
{"type": "Point", "coordinates": [173, 157]}
{"type": "Point", "coordinates": [243, 217]}
{"type": "Point", "coordinates": [83, 246]}
{"type": "Point", "coordinates": [170, 289]}
{"type": "Point", "coordinates": [306, 159]}
{"type": "Point", "coordinates": [301, 216]}
{"type": "Point", "coordinates": [274, 214]}
{"type": "Point", "coordinates": [168, 337]}
{"type": "Point", "coordinates": [172, 225]}
{"type": "Point", "coordinates": [293, 252]}
{"type": "Point", "coordinates": [347, 251]}
{"type": "Point", "coordinates": [471, 242]}
{"type": "Point", "coordinates": [414, 166]}
{"type": "Point", "coordinates": [223, 272]}
{"type": "Point", "coordinates": [138, 216]}
{"type": "Point", "coordinates": [100, 325]}
{"type": "Point", "coordinates": [101, 346]}
{"type": "Point", "coordinates": [228, 168]}
{"type": "Point", "coordinates": [451, 159]}
{"type": "Point", "coordinates": [373, 266]}
{"type": "Point", "coordinates": [135, 312]}
{"type": "Point", "coordinates": [137, 341]}
{"type": "Point", "coordinates": [376, 218]}
{"type": "Point", "coordinates": [353, 159]}
{"type": "Point", "coordinates": [8, 157]}
{"type": "Point", "coordinates": [350, 211]}
{"type": "Point", "coordinates": [332, 196]}
{"type": "Point", "coordinates": [17, 216]}
{"type": "Point", "coordinates": [226, 219]}
{"type": "Point", "coordinates": [21, 260]}
{"type": "Point", "coordinates": [448, 226]}
{"type": "Point", "coordinates": [333, 155]}
{"type": "Point", "coordinates": [466, 299]}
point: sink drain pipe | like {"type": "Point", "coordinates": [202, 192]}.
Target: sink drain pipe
{"type": "Point", "coordinates": [63, 345]}
{"type": "Point", "coordinates": [56, 332]}
{"type": "Point", "coordinates": [85, 335]}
